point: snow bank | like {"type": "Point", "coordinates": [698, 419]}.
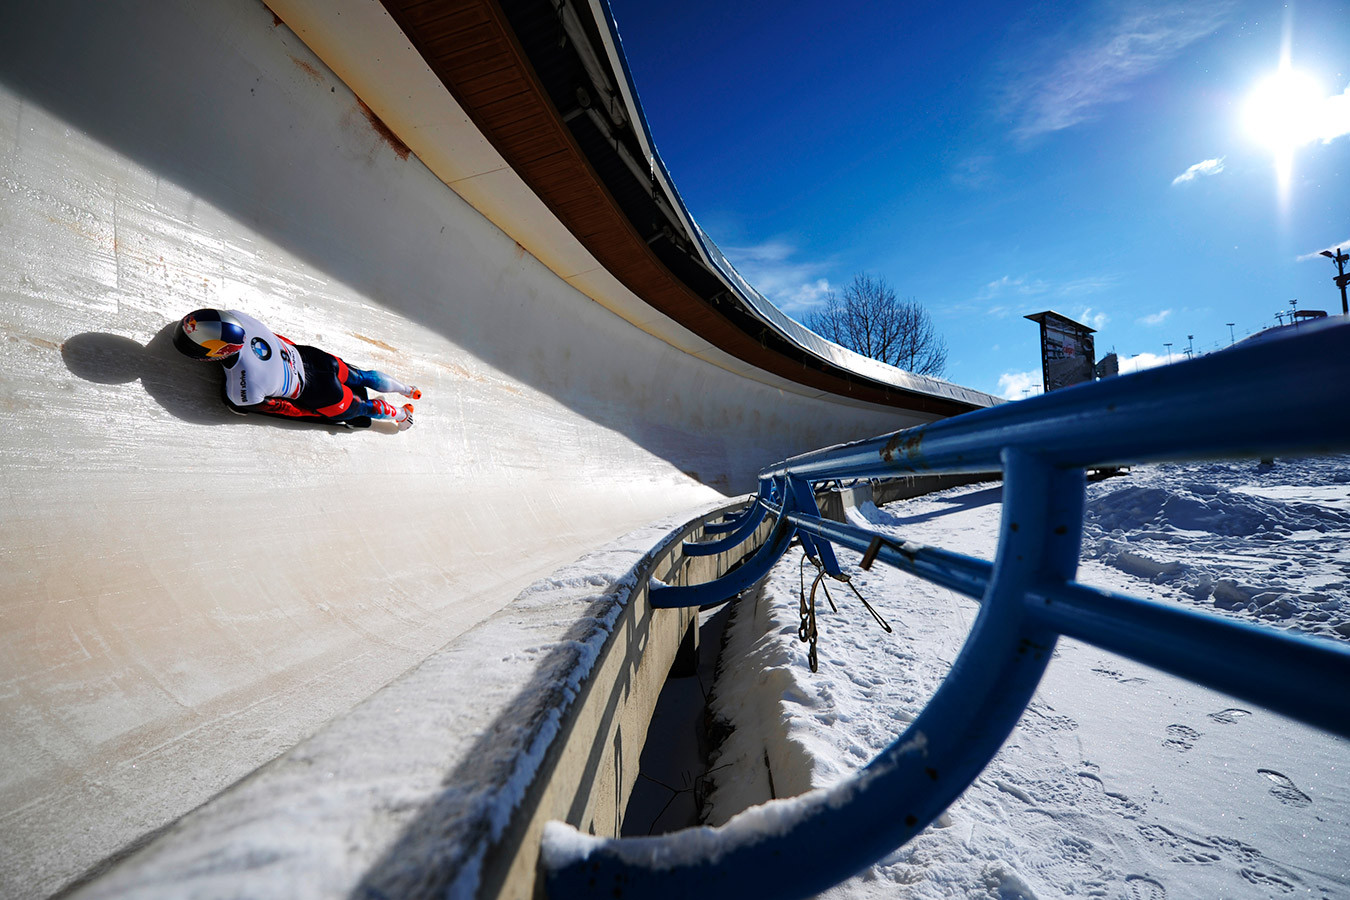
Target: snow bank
{"type": "Point", "coordinates": [1119, 781]}
{"type": "Point", "coordinates": [1249, 541]}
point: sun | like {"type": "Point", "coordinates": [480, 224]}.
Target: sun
{"type": "Point", "coordinates": [1285, 111]}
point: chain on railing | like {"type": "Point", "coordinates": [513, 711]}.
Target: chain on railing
{"type": "Point", "coordinates": [1276, 397]}
{"type": "Point", "coordinates": [807, 632]}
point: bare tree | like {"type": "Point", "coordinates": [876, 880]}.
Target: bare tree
{"type": "Point", "coordinates": [869, 319]}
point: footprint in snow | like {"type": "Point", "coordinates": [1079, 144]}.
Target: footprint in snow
{"type": "Point", "coordinates": [1047, 720]}
{"type": "Point", "coordinates": [1183, 849]}
{"type": "Point", "coordinates": [1236, 848]}
{"type": "Point", "coordinates": [1181, 737]}
{"type": "Point", "coordinates": [1267, 880]}
{"type": "Point", "coordinates": [1144, 888]}
{"type": "Point", "coordinates": [1074, 860]}
{"type": "Point", "coordinates": [1284, 790]}
{"type": "Point", "coordinates": [1093, 785]}
{"type": "Point", "coordinates": [1118, 676]}
{"type": "Point", "coordinates": [1229, 716]}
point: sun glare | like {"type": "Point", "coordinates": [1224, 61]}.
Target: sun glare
{"type": "Point", "coordinates": [1284, 112]}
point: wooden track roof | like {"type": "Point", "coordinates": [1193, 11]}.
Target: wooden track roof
{"type": "Point", "coordinates": [474, 50]}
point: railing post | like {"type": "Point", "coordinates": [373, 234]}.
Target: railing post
{"type": "Point", "coordinates": [803, 500]}
{"type": "Point", "coordinates": [911, 782]}
{"type": "Point", "coordinates": [1040, 535]}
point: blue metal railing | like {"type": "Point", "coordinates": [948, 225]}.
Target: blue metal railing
{"type": "Point", "coordinates": [1286, 396]}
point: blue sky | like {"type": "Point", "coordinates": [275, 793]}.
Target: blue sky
{"type": "Point", "coordinates": [1098, 159]}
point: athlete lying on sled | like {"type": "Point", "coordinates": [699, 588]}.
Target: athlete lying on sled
{"type": "Point", "coordinates": [270, 374]}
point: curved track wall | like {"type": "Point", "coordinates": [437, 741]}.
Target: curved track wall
{"type": "Point", "coordinates": [185, 593]}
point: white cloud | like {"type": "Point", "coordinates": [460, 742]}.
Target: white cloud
{"type": "Point", "coordinates": [1344, 247]}
{"type": "Point", "coordinates": [1048, 291]}
{"type": "Point", "coordinates": [1092, 319]}
{"type": "Point", "coordinates": [1204, 167]}
{"type": "Point", "coordinates": [1324, 119]}
{"type": "Point", "coordinates": [1152, 319]}
{"type": "Point", "coordinates": [996, 287]}
{"type": "Point", "coordinates": [1068, 84]}
{"type": "Point", "coordinates": [803, 296]}
{"type": "Point", "coordinates": [1089, 285]}
{"type": "Point", "coordinates": [1140, 361]}
{"type": "Point", "coordinates": [1014, 385]}
{"type": "Point", "coordinates": [794, 286]}
{"type": "Point", "coordinates": [767, 252]}
{"type": "Point", "coordinates": [1335, 116]}
{"type": "Point", "coordinates": [1008, 285]}
{"type": "Point", "coordinates": [973, 172]}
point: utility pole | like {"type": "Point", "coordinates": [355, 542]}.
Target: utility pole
{"type": "Point", "coordinates": [1231, 340]}
{"type": "Point", "coordinates": [1190, 349]}
{"type": "Point", "coordinates": [1342, 279]}
{"type": "Point", "coordinates": [1279, 314]}
{"type": "Point", "coordinates": [1168, 345]}
{"type": "Point", "coordinates": [1293, 310]}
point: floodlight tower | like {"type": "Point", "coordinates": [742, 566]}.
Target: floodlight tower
{"type": "Point", "coordinates": [1342, 279]}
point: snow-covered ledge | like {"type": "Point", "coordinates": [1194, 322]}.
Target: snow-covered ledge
{"type": "Point", "coordinates": [441, 782]}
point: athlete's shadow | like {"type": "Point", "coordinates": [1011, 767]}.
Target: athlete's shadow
{"type": "Point", "coordinates": [187, 389]}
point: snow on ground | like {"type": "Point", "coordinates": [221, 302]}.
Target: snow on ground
{"type": "Point", "coordinates": [1269, 544]}
{"type": "Point", "coordinates": [1119, 782]}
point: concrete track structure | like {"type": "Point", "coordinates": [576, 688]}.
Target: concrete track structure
{"type": "Point", "coordinates": [185, 594]}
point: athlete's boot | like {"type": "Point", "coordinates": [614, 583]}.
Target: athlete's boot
{"type": "Point", "coordinates": [412, 393]}
{"type": "Point", "coordinates": [402, 416]}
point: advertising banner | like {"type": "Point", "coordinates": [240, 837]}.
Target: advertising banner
{"type": "Point", "coordinates": [1067, 352]}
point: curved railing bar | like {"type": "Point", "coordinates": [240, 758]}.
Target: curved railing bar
{"type": "Point", "coordinates": [1274, 397]}
{"type": "Point", "coordinates": [731, 521]}
{"type": "Point", "coordinates": [669, 596]}
{"type": "Point", "coordinates": [742, 533]}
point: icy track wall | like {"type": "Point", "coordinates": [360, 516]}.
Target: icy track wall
{"type": "Point", "coordinates": [186, 593]}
